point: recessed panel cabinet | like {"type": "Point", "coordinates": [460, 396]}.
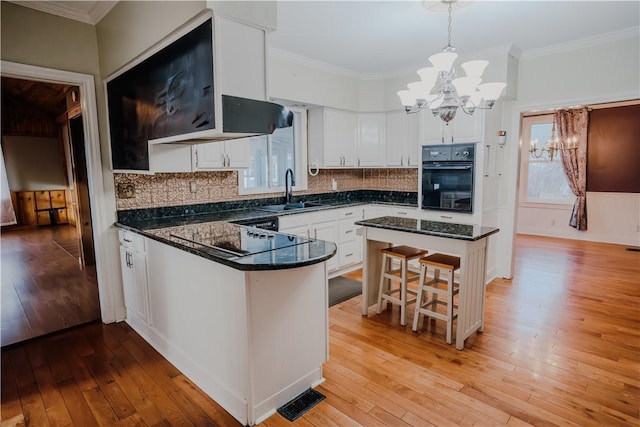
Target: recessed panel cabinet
{"type": "Point", "coordinates": [463, 128]}
{"type": "Point", "coordinates": [233, 154]}
{"type": "Point", "coordinates": [402, 140]}
{"type": "Point", "coordinates": [133, 262]}
{"type": "Point", "coordinates": [342, 139]}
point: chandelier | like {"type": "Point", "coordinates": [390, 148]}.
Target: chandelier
{"type": "Point", "coordinates": [553, 145]}
{"type": "Point", "coordinates": [442, 92]}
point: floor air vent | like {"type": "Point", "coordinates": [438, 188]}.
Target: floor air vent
{"type": "Point", "coordinates": [301, 404]}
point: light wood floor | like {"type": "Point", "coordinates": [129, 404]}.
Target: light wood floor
{"type": "Point", "coordinates": [43, 287]}
{"type": "Point", "coordinates": [561, 347]}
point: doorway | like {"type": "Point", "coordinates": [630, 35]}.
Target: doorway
{"type": "Point", "coordinates": [49, 278]}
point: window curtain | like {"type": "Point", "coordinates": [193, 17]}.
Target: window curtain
{"type": "Point", "coordinates": [572, 126]}
{"type": "Point", "coordinates": [7, 214]}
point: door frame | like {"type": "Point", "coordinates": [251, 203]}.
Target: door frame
{"type": "Point", "coordinates": [106, 267]}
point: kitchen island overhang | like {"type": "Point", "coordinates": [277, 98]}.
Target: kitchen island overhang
{"type": "Point", "coordinates": [251, 331]}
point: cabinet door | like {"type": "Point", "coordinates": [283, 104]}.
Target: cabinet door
{"type": "Point", "coordinates": [302, 231]}
{"type": "Point", "coordinates": [370, 140]}
{"type": "Point", "coordinates": [327, 231]}
{"type": "Point", "coordinates": [411, 145]}
{"type": "Point", "coordinates": [468, 128]}
{"type": "Point", "coordinates": [238, 153]}
{"type": "Point", "coordinates": [402, 141]}
{"type": "Point", "coordinates": [128, 279]}
{"type": "Point", "coordinates": [134, 281]}
{"type": "Point", "coordinates": [141, 305]}
{"type": "Point", "coordinates": [394, 129]}
{"type": "Point", "coordinates": [209, 156]}
{"type": "Point", "coordinates": [340, 138]}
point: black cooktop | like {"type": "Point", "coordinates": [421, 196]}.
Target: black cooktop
{"type": "Point", "coordinates": [234, 240]}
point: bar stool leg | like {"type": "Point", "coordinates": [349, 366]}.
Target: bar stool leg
{"type": "Point", "coordinates": [381, 287]}
{"type": "Point", "coordinates": [403, 294]}
{"type": "Point", "coordinates": [419, 297]}
{"type": "Point", "coordinates": [449, 306]}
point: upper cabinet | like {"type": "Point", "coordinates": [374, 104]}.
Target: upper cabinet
{"type": "Point", "coordinates": [204, 82]}
{"type": "Point", "coordinates": [221, 155]}
{"type": "Point", "coordinates": [463, 128]}
{"type": "Point", "coordinates": [331, 139]}
{"type": "Point", "coordinates": [402, 141]}
{"type": "Point", "coordinates": [339, 139]}
{"type": "Point", "coordinates": [370, 139]}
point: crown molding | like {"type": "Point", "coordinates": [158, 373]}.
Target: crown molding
{"type": "Point", "coordinates": [313, 63]}
{"type": "Point", "coordinates": [614, 36]}
{"type": "Point", "coordinates": [92, 17]}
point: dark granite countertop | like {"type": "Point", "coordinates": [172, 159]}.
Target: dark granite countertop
{"type": "Point", "coordinates": [309, 252]}
{"type": "Point", "coordinates": [155, 224]}
{"type": "Point", "coordinates": [430, 228]}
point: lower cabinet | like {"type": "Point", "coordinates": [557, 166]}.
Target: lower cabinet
{"type": "Point", "coordinates": [133, 262]}
{"type": "Point", "coordinates": [334, 225]}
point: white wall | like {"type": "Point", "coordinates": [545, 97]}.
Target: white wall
{"type": "Point", "coordinates": [313, 83]}
{"type": "Point", "coordinates": [582, 73]}
{"type": "Point", "coordinates": [33, 164]}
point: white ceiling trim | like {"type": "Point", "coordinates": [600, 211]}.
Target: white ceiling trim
{"type": "Point", "coordinates": [98, 10]}
{"type": "Point", "coordinates": [633, 32]}
{"type": "Point", "coordinates": [312, 63]}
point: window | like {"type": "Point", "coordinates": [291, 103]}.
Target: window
{"type": "Point", "coordinates": [542, 178]}
{"type": "Point", "coordinates": [271, 155]}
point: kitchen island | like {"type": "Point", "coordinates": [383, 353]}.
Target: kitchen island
{"type": "Point", "coordinates": [242, 312]}
{"type": "Point", "coordinates": [469, 242]}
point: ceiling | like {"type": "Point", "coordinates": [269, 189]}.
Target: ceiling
{"type": "Point", "coordinates": [387, 37]}
{"type": "Point", "coordinates": [49, 98]}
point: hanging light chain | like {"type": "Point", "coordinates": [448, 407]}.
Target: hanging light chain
{"type": "Point", "coordinates": [449, 26]}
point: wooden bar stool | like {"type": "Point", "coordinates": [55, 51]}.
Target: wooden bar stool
{"type": "Point", "coordinates": [402, 275]}
{"type": "Point", "coordinates": [448, 288]}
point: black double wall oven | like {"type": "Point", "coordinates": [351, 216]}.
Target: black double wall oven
{"type": "Point", "coordinates": [447, 177]}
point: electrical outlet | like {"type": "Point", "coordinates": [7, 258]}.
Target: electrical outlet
{"type": "Point", "coordinates": [553, 222]}
{"type": "Point", "coordinates": [126, 190]}
{"type": "Point", "coordinates": [334, 184]}
{"type": "Point", "coordinates": [192, 186]}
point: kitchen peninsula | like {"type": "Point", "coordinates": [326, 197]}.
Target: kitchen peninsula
{"type": "Point", "coordinates": [243, 312]}
{"type": "Point", "coordinates": [469, 242]}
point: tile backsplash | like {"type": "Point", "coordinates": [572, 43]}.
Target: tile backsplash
{"type": "Point", "coordinates": [174, 189]}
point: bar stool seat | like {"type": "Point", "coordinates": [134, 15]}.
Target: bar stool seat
{"type": "Point", "coordinates": [448, 288]}
{"type": "Point", "coordinates": [402, 275]}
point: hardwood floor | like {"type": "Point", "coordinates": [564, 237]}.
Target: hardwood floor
{"type": "Point", "coordinates": [561, 347]}
{"type": "Point", "coordinates": [43, 287]}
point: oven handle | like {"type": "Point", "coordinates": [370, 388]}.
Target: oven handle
{"type": "Point", "coordinates": [446, 167]}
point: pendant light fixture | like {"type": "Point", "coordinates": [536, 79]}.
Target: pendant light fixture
{"type": "Point", "coordinates": [442, 92]}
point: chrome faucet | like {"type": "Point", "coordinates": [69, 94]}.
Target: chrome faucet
{"type": "Point", "coordinates": [289, 182]}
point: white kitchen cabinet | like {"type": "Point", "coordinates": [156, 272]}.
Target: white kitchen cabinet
{"type": "Point", "coordinates": [133, 262]}
{"type": "Point", "coordinates": [402, 140]}
{"type": "Point", "coordinates": [326, 231]}
{"type": "Point", "coordinates": [332, 136]}
{"type": "Point", "coordinates": [370, 139]}
{"type": "Point", "coordinates": [463, 128]}
{"type": "Point", "coordinates": [341, 139]}
{"type": "Point", "coordinates": [232, 154]}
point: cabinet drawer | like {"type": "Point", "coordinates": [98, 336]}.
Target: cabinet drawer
{"type": "Point", "coordinates": [347, 231]}
{"type": "Point", "coordinates": [131, 240]}
{"type": "Point", "coordinates": [354, 213]}
{"type": "Point", "coordinates": [350, 253]}
{"type": "Point", "coordinates": [403, 212]}
{"type": "Point", "coordinates": [296, 220]}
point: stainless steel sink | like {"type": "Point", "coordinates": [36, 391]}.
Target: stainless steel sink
{"type": "Point", "coordinates": [289, 206]}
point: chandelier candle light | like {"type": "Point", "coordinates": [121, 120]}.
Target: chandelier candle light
{"type": "Point", "coordinates": [443, 93]}
{"type": "Point", "coordinates": [553, 146]}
